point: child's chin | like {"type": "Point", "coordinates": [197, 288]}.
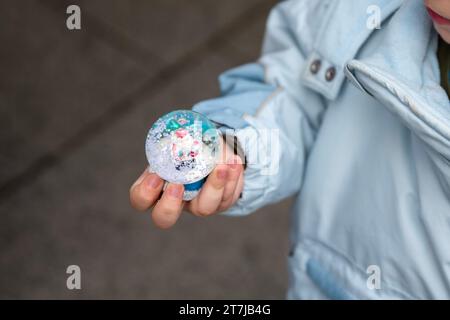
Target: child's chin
{"type": "Point", "coordinates": [444, 32]}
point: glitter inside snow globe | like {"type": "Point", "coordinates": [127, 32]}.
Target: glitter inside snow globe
{"type": "Point", "coordinates": [183, 147]}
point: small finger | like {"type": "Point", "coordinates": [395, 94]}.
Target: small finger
{"type": "Point", "coordinates": [168, 209]}
{"type": "Point", "coordinates": [235, 170]}
{"type": "Point", "coordinates": [211, 194]}
{"type": "Point", "coordinates": [226, 204]}
{"type": "Point", "coordinates": [145, 191]}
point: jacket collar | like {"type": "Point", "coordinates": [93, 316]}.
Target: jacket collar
{"type": "Point", "coordinates": [406, 78]}
{"type": "Point", "coordinates": [343, 31]}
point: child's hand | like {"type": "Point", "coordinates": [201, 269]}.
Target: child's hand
{"type": "Point", "coordinates": [220, 191]}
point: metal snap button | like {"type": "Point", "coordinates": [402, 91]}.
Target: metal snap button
{"type": "Point", "coordinates": [315, 66]}
{"type": "Point", "coordinates": [330, 74]}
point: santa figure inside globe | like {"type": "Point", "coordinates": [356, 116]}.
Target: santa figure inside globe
{"type": "Point", "coordinates": [183, 147]}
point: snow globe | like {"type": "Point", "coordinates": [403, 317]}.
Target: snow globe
{"type": "Point", "coordinates": [183, 147]}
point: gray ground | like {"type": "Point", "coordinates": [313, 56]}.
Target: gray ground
{"type": "Point", "coordinates": [75, 107]}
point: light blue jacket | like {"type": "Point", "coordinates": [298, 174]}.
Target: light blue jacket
{"type": "Point", "coordinates": [367, 151]}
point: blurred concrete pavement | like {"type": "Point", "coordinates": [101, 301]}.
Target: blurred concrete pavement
{"type": "Point", "coordinates": [75, 107]}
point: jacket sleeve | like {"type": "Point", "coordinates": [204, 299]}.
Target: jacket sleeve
{"type": "Point", "coordinates": [273, 116]}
